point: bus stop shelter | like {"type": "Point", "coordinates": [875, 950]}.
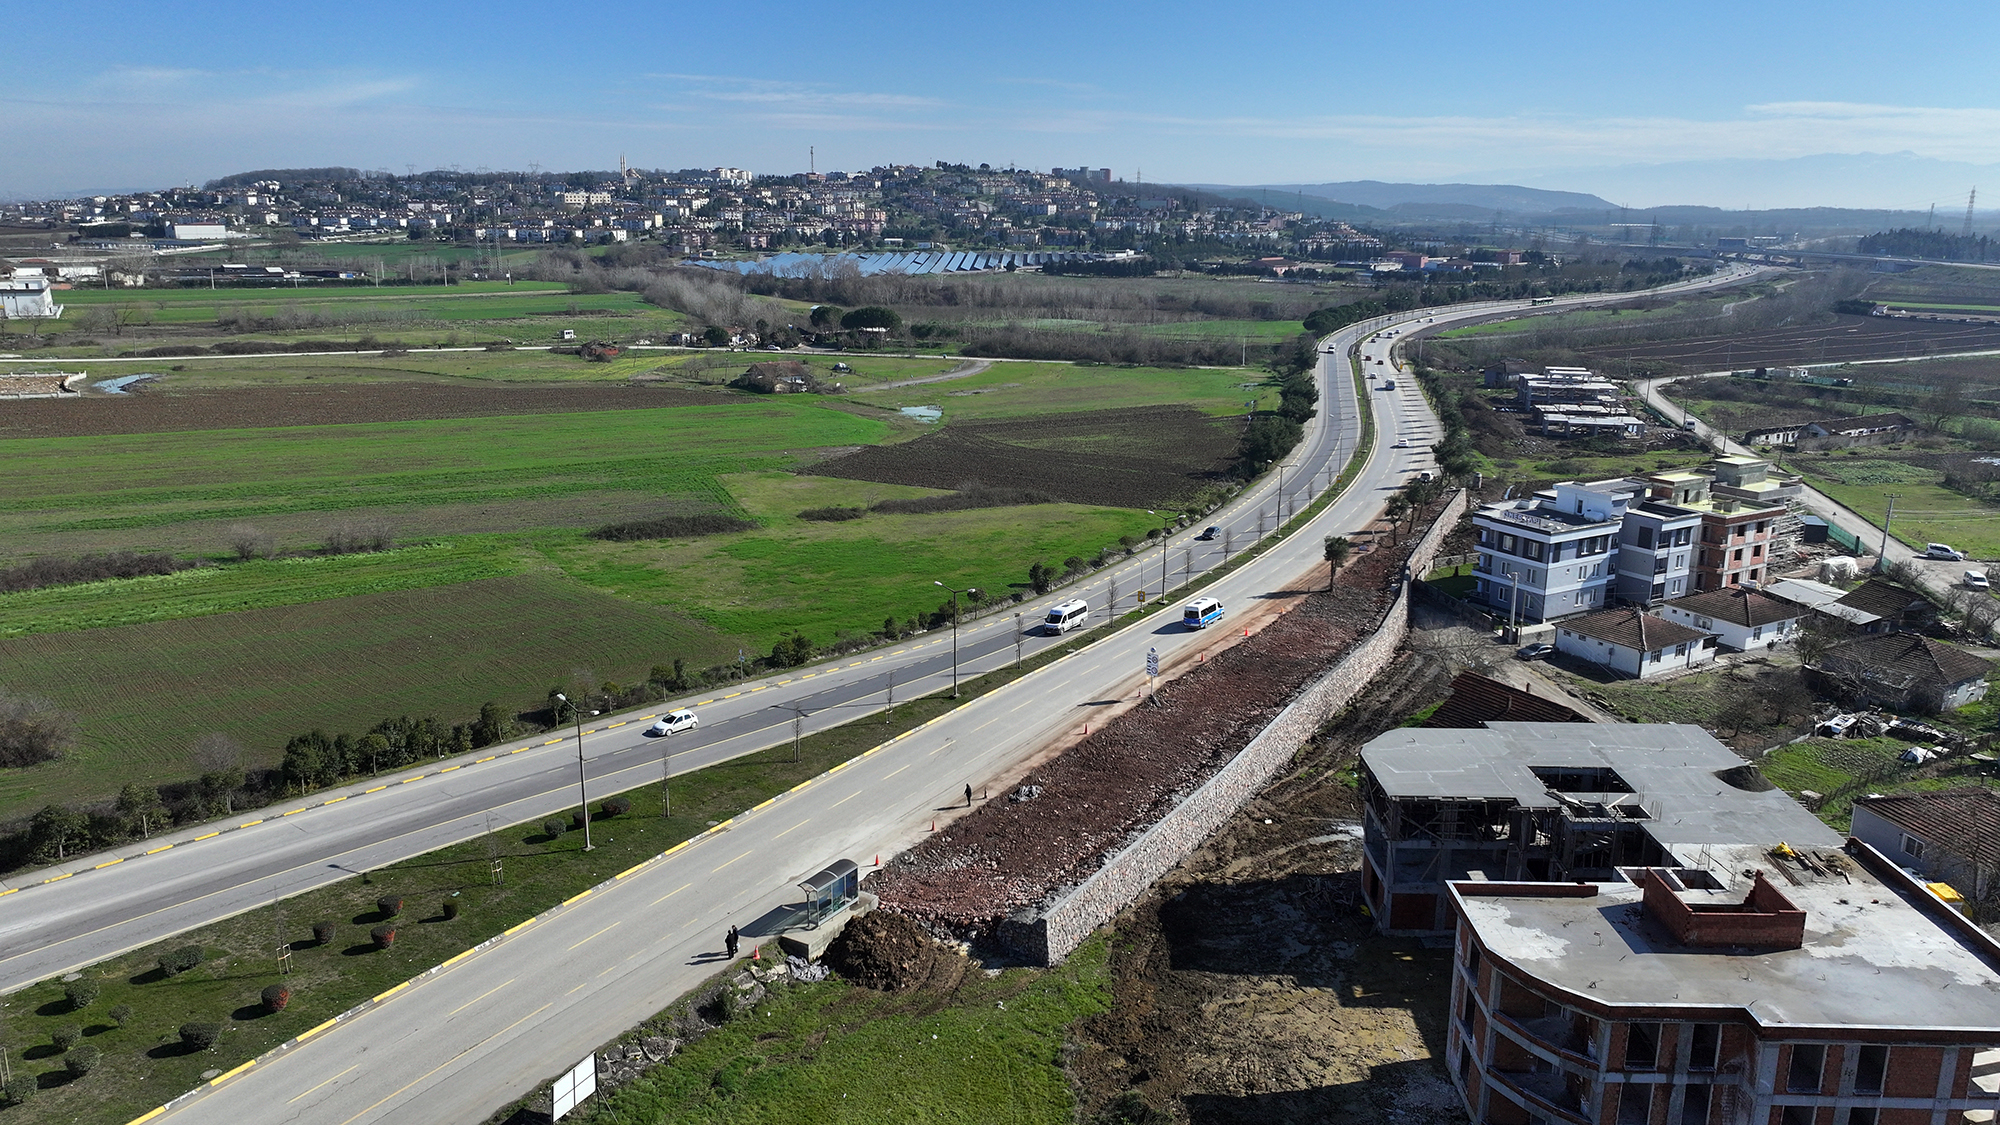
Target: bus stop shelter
{"type": "Point", "coordinates": [830, 891]}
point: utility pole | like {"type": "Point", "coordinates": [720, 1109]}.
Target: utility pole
{"type": "Point", "coordinates": [798, 721]}
{"type": "Point", "coordinates": [1882, 556]}
{"type": "Point", "coordinates": [583, 796]}
{"type": "Point", "coordinates": [1018, 640]}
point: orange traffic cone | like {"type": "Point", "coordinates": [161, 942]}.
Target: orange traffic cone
{"type": "Point", "coordinates": [934, 824]}
{"type": "Point", "coordinates": [756, 953]}
{"type": "Point", "coordinates": [878, 859]}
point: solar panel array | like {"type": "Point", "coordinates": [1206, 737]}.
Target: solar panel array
{"type": "Point", "coordinates": [905, 262]}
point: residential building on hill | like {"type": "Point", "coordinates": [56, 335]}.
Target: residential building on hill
{"type": "Point", "coordinates": [1740, 619]}
{"type": "Point", "coordinates": [1951, 835]}
{"type": "Point", "coordinates": [1635, 642]}
{"type": "Point", "coordinates": [1904, 671]}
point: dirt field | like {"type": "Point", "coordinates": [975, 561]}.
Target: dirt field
{"type": "Point", "coordinates": [164, 410]}
{"type": "Point", "coordinates": [1133, 458]}
{"type": "Point", "coordinates": [1850, 338]}
{"type": "Point", "coordinates": [1248, 987]}
{"type": "Point", "coordinates": [1009, 854]}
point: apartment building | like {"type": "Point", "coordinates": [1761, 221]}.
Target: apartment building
{"type": "Point", "coordinates": [1741, 504]}
{"type": "Point", "coordinates": [1550, 555]}
{"type": "Point", "coordinates": [1761, 983]}
{"type": "Point", "coordinates": [1656, 551]}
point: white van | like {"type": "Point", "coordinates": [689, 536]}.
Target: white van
{"type": "Point", "coordinates": [1069, 615]}
{"type": "Point", "coordinates": [1201, 613]}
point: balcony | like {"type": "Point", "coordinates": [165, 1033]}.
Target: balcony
{"type": "Point", "coordinates": [1548, 1091]}
{"type": "Point", "coordinates": [1557, 1032]}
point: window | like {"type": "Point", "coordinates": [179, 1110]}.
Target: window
{"type": "Point", "coordinates": [1507, 543]}
{"type": "Point", "coordinates": [1694, 1106]}
{"type": "Point", "coordinates": [1635, 1103]}
{"type": "Point", "coordinates": [1861, 1115]}
{"type": "Point", "coordinates": [1913, 847]}
{"type": "Point", "coordinates": [1680, 562]}
{"type": "Point", "coordinates": [1642, 1040]}
{"type": "Point", "coordinates": [1760, 526]}
{"type": "Point", "coordinates": [1704, 1046]}
{"type": "Point", "coordinates": [1870, 1064]}
{"type": "Point", "coordinates": [1531, 549]}
{"type": "Point", "coordinates": [1756, 632]}
{"type": "Point", "coordinates": [1659, 589]}
{"type": "Point", "coordinates": [1738, 557]}
{"type": "Point", "coordinates": [1465, 1011]}
{"type": "Point", "coordinates": [1683, 536]}
{"type": "Point", "coordinates": [1757, 552]}
{"type": "Point", "coordinates": [1676, 584]}
{"type": "Point", "coordinates": [1645, 537]}
{"type": "Point", "coordinates": [1807, 1061]}
{"type": "Point", "coordinates": [1681, 649]}
{"type": "Point", "coordinates": [1702, 623]}
{"type": "Point", "coordinates": [1796, 1115]}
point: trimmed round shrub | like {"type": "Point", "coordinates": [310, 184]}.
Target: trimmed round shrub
{"type": "Point", "coordinates": [389, 905]}
{"type": "Point", "coordinates": [385, 936]}
{"type": "Point", "coordinates": [82, 1061]}
{"type": "Point", "coordinates": [174, 962]}
{"type": "Point", "coordinates": [276, 997]}
{"type": "Point", "coordinates": [81, 994]}
{"type": "Point", "coordinates": [450, 911]}
{"type": "Point", "coordinates": [323, 932]}
{"type": "Point", "coordinates": [618, 806]}
{"type": "Point", "coordinates": [201, 1036]}
{"type": "Point", "coordinates": [120, 1014]}
{"type": "Point", "coordinates": [553, 828]}
{"type": "Point", "coordinates": [66, 1036]}
{"type": "Point", "coordinates": [20, 1088]}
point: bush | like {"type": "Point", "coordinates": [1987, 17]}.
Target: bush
{"type": "Point", "coordinates": [81, 994]}
{"type": "Point", "coordinates": [201, 1036]}
{"type": "Point", "coordinates": [19, 1088]}
{"type": "Point", "coordinates": [832, 515]}
{"type": "Point", "coordinates": [385, 936]}
{"type": "Point", "coordinates": [389, 905]}
{"type": "Point", "coordinates": [66, 1036]}
{"type": "Point", "coordinates": [120, 1014]}
{"type": "Point", "coordinates": [323, 932]}
{"type": "Point", "coordinates": [82, 1061]}
{"type": "Point", "coordinates": [553, 828]}
{"type": "Point", "coordinates": [672, 527]}
{"type": "Point", "coordinates": [450, 911]}
{"type": "Point", "coordinates": [174, 962]}
{"type": "Point", "coordinates": [276, 997]}
{"type": "Point", "coordinates": [618, 806]}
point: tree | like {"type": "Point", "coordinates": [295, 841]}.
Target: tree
{"type": "Point", "coordinates": [1738, 709]}
{"type": "Point", "coordinates": [55, 832]}
{"type": "Point", "coordinates": [221, 762]}
{"type": "Point", "coordinates": [715, 337]}
{"type": "Point", "coordinates": [140, 809]}
{"type": "Point", "coordinates": [32, 730]}
{"type": "Point", "coordinates": [825, 317]}
{"type": "Point", "coordinates": [872, 316]}
{"type": "Point", "coordinates": [1396, 510]}
{"type": "Point", "coordinates": [1818, 633]}
{"type": "Point", "coordinates": [1337, 549]}
{"type": "Point", "coordinates": [1041, 577]}
{"type": "Point", "coordinates": [495, 725]}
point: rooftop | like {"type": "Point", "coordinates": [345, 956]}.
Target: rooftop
{"type": "Point", "coordinates": [1675, 770]}
{"type": "Point", "coordinates": [1633, 629]}
{"type": "Point", "coordinates": [1970, 815]}
{"type": "Point", "coordinates": [1904, 658]}
{"type": "Point", "coordinates": [1739, 606]}
{"type": "Point", "coordinates": [1476, 700]}
{"type": "Point", "coordinates": [1874, 954]}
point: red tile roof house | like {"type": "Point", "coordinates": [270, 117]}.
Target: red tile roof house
{"type": "Point", "coordinates": [1637, 644]}
{"type": "Point", "coordinates": [1952, 835]}
{"type": "Point", "coordinates": [1905, 672]}
{"type": "Point", "coordinates": [1741, 619]}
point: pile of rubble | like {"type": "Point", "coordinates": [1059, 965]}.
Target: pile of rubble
{"type": "Point", "coordinates": [1088, 803]}
{"type": "Point", "coordinates": [889, 953]}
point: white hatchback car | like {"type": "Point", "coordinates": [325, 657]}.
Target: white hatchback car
{"type": "Point", "coordinates": [674, 722]}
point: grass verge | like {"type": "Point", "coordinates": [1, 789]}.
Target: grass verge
{"type": "Point", "coordinates": [145, 1065]}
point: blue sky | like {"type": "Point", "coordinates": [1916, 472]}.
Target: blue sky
{"type": "Point", "coordinates": [1622, 98]}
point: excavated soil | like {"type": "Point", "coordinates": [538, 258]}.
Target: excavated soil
{"type": "Point", "coordinates": [890, 953]}
{"type": "Point", "coordinates": [1248, 986]}
{"type": "Point", "coordinates": [1012, 854]}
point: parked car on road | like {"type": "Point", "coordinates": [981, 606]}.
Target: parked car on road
{"type": "Point", "coordinates": [1536, 652]}
{"type": "Point", "coordinates": [1977, 580]}
{"type": "Point", "coordinates": [674, 722]}
{"type": "Point", "coordinates": [1943, 551]}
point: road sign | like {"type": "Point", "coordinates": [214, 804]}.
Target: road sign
{"type": "Point", "coordinates": [1142, 597]}
{"type": "Point", "coordinates": [1152, 662]}
{"type": "Point", "coordinates": [573, 1087]}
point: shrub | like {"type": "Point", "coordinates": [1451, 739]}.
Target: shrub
{"type": "Point", "coordinates": [120, 1014]}
{"type": "Point", "coordinates": [20, 1088]}
{"type": "Point", "coordinates": [276, 997]}
{"type": "Point", "coordinates": [82, 1061]}
{"type": "Point", "coordinates": [201, 1036]}
{"type": "Point", "coordinates": [389, 905]}
{"type": "Point", "coordinates": [323, 932]}
{"type": "Point", "coordinates": [174, 962]}
{"type": "Point", "coordinates": [81, 994]}
{"type": "Point", "coordinates": [66, 1036]}
{"type": "Point", "coordinates": [832, 515]}
{"type": "Point", "coordinates": [618, 806]}
{"type": "Point", "coordinates": [385, 936]}
{"type": "Point", "coordinates": [450, 911]}
{"type": "Point", "coordinates": [672, 527]}
{"type": "Point", "coordinates": [553, 828]}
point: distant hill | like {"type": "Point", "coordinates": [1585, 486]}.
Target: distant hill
{"type": "Point", "coordinates": [1456, 201]}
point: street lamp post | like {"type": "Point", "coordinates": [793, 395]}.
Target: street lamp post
{"type": "Point", "coordinates": [954, 633]}
{"type": "Point", "coordinates": [1166, 533]}
{"type": "Point", "coordinates": [581, 794]}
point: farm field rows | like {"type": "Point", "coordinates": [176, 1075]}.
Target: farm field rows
{"type": "Point", "coordinates": [1017, 389]}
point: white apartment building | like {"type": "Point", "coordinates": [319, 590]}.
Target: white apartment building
{"type": "Point", "coordinates": [1550, 555]}
{"type": "Point", "coordinates": [1655, 550]}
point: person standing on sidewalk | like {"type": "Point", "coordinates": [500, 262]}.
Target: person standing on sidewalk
{"type": "Point", "coordinates": [730, 941]}
{"type": "Point", "coordinates": [968, 796]}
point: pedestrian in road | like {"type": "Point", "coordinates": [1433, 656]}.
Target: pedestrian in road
{"type": "Point", "coordinates": [968, 796]}
{"type": "Point", "coordinates": [730, 943]}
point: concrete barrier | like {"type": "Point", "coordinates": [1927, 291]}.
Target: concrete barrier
{"type": "Point", "coordinates": [1051, 934]}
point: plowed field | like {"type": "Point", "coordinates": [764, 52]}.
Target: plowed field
{"type": "Point", "coordinates": [1849, 338]}
{"type": "Point", "coordinates": [1137, 458]}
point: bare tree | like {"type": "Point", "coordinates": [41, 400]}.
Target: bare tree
{"type": "Point", "coordinates": [33, 730]}
{"type": "Point", "coordinates": [250, 543]}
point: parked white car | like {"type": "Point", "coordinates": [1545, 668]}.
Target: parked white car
{"type": "Point", "coordinates": [1977, 580]}
{"type": "Point", "coordinates": [1943, 551]}
{"type": "Point", "coordinates": [674, 722]}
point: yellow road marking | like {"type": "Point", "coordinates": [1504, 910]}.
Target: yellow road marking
{"type": "Point", "coordinates": [250, 823]}
{"type": "Point", "coordinates": [108, 863]}
{"type": "Point", "coordinates": [577, 898]}
{"type": "Point", "coordinates": [333, 800]}
{"type": "Point", "coordinates": [726, 863]}
{"type": "Point", "coordinates": [670, 894]}
{"type": "Point", "coordinates": [204, 837]}
{"type": "Point", "coordinates": [148, 1115]}
{"type": "Point", "coordinates": [487, 758]}
{"type": "Point", "coordinates": [612, 926]}
{"type": "Point", "coordinates": [342, 1074]}
{"type": "Point", "coordinates": [481, 996]}
{"type": "Point", "coordinates": [377, 789]}
{"type": "Point", "coordinates": [419, 777]}
{"type": "Point", "coordinates": [392, 992]}
{"type": "Point", "coordinates": [229, 1074]}
{"type": "Point", "coordinates": [164, 847]}
{"type": "Point", "coordinates": [448, 769]}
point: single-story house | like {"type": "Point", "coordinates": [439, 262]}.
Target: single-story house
{"type": "Point", "coordinates": [1893, 606]}
{"type": "Point", "coordinates": [1905, 671]}
{"type": "Point", "coordinates": [1836, 433]}
{"type": "Point", "coordinates": [1741, 619]}
{"type": "Point", "coordinates": [1635, 643]}
{"type": "Point", "coordinates": [1951, 835]}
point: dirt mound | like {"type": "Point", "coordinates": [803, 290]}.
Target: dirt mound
{"type": "Point", "coordinates": [888, 952]}
{"type": "Point", "coordinates": [1131, 458]}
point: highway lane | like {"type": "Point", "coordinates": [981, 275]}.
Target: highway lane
{"type": "Point", "coordinates": [96, 906]}
{"type": "Point", "coordinates": [490, 1026]}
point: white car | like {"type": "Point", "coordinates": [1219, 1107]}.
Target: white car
{"type": "Point", "coordinates": [1403, 443]}
{"type": "Point", "coordinates": [674, 722]}
{"type": "Point", "coordinates": [1977, 580]}
{"type": "Point", "coordinates": [1943, 551]}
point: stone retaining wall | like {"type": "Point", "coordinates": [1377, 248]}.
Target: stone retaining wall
{"type": "Point", "coordinates": [1052, 934]}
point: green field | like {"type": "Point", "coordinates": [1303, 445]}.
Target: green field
{"type": "Point", "coordinates": [1603, 318]}
{"type": "Point", "coordinates": [144, 693]}
{"type": "Point", "coordinates": [1019, 389]}
{"type": "Point", "coordinates": [1926, 511]}
{"type": "Point", "coordinates": [1841, 770]}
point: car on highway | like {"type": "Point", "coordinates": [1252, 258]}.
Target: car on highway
{"type": "Point", "coordinates": [1201, 613]}
{"type": "Point", "coordinates": [1977, 580]}
{"type": "Point", "coordinates": [1536, 652]}
{"type": "Point", "coordinates": [1209, 533]}
{"type": "Point", "coordinates": [1402, 443]}
{"type": "Point", "coordinates": [1943, 551]}
{"type": "Point", "coordinates": [674, 722]}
